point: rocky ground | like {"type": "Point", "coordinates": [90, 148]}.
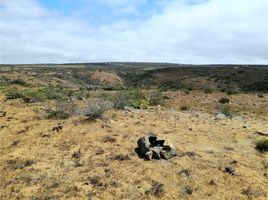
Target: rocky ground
{"type": "Point", "coordinates": [80, 159]}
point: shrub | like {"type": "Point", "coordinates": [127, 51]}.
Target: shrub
{"type": "Point", "coordinates": [133, 98]}
{"type": "Point", "coordinates": [57, 114]}
{"type": "Point", "coordinates": [12, 94]}
{"type": "Point", "coordinates": [121, 100]}
{"type": "Point", "coordinates": [96, 110]}
{"type": "Point", "coordinates": [187, 92]}
{"type": "Point", "coordinates": [183, 108]}
{"type": "Point", "coordinates": [228, 111]}
{"type": "Point", "coordinates": [156, 98]}
{"type": "Point", "coordinates": [224, 100]}
{"type": "Point", "coordinates": [208, 90]}
{"type": "Point", "coordinates": [262, 145]}
{"type": "Point", "coordinates": [18, 82]}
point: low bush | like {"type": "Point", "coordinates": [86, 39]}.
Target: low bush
{"type": "Point", "coordinates": [173, 86]}
{"type": "Point", "coordinates": [96, 110]}
{"type": "Point", "coordinates": [224, 100]}
{"type": "Point", "coordinates": [262, 145]}
{"type": "Point", "coordinates": [132, 98]}
{"type": "Point", "coordinates": [155, 98]}
{"type": "Point", "coordinates": [39, 94]}
{"type": "Point", "coordinates": [57, 114]}
{"type": "Point", "coordinates": [228, 111]}
{"type": "Point", "coordinates": [13, 94]}
{"type": "Point", "coordinates": [184, 108]}
{"type": "Point", "coordinates": [19, 82]}
{"type": "Point", "coordinates": [208, 90]}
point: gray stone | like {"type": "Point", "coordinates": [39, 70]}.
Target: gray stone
{"type": "Point", "coordinates": [238, 118]}
{"type": "Point", "coordinates": [262, 133]}
{"type": "Point", "coordinates": [221, 116]}
{"type": "Point", "coordinates": [168, 152]}
{"type": "Point", "coordinates": [151, 148]}
{"type": "Point", "coordinates": [246, 126]}
{"type": "Point", "coordinates": [156, 152]}
{"type": "Point", "coordinates": [143, 145]}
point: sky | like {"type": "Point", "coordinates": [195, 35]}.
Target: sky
{"type": "Point", "coordinates": [174, 31]}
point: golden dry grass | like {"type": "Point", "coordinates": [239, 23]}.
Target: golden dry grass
{"type": "Point", "coordinates": [39, 163]}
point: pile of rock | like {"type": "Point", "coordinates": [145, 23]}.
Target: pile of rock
{"type": "Point", "coordinates": [151, 148]}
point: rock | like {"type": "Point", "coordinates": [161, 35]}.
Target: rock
{"type": "Point", "coordinates": [151, 148]}
{"type": "Point", "coordinates": [262, 133]}
{"type": "Point", "coordinates": [156, 152]}
{"type": "Point", "coordinates": [229, 170]}
{"type": "Point", "coordinates": [168, 152]}
{"type": "Point", "coordinates": [57, 128]}
{"type": "Point", "coordinates": [238, 118]}
{"type": "Point", "coordinates": [246, 126]}
{"type": "Point", "coordinates": [143, 145]}
{"type": "Point", "coordinates": [221, 116]}
{"type": "Point", "coordinates": [2, 113]}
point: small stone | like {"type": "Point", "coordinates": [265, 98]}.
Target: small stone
{"type": "Point", "coordinates": [220, 116]}
{"type": "Point", "coordinates": [229, 170]}
{"type": "Point", "coordinates": [238, 118]}
{"type": "Point", "coordinates": [246, 126]}
{"type": "Point", "coordinates": [2, 113]}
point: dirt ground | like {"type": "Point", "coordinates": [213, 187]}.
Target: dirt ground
{"type": "Point", "coordinates": [216, 158]}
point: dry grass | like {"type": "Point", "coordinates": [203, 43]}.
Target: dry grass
{"type": "Point", "coordinates": [97, 160]}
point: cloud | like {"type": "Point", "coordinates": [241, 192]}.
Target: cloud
{"type": "Point", "coordinates": [196, 31]}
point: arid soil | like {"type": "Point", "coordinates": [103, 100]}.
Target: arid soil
{"type": "Point", "coordinates": [80, 159]}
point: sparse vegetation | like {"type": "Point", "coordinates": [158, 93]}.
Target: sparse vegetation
{"type": "Point", "coordinates": [132, 98]}
{"type": "Point", "coordinates": [19, 82]}
{"type": "Point", "coordinates": [262, 145]}
{"type": "Point", "coordinates": [184, 108]}
{"type": "Point", "coordinates": [224, 100]}
{"type": "Point", "coordinates": [56, 114]}
{"type": "Point", "coordinates": [228, 110]}
{"type": "Point", "coordinates": [71, 157]}
{"type": "Point", "coordinates": [156, 98]}
{"type": "Point", "coordinates": [208, 90]}
{"type": "Point", "coordinates": [96, 110]}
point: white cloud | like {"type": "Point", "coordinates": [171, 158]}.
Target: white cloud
{"type": "Point", "coordinates": [215, 31]}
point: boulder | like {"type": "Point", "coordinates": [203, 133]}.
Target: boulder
{"type": "Point", "coordinates": [151, 148]}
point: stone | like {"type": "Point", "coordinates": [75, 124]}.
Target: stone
{"type": "Point", "coordinates": [156, 152]}
{"type": "Point", "coordinates": [151, 148]}
{"type": "Point", "coordinates": [262, 133]}
{"type": "Point", "coordinates": [168, 152]}
{"type": "Point", "coordinates": [221, 116]}
{"type": "Point", "coordinates": [2, 113]}
{"type": "Point", "coordinates": [246, 126]}
{"type": "Point", "coordinates": [238, 118]}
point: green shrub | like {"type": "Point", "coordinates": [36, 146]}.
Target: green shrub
{"type": "Point", "coordinates": [133, 98]}
{"type": "Point", "coordinates": [13, 94]}
{"type": "Point", "coordinates": [57, 114]}
{"type": "Point", "coordinates": [208, 90]}
{"type": "Point", "coordinates": [224, 100]}
{"type": "Point", "coordinates": [19, 82]}
{"type": "Point", "coordinates": [155, 98]}
{"type": "Point", "coordinates": [262, 145]}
